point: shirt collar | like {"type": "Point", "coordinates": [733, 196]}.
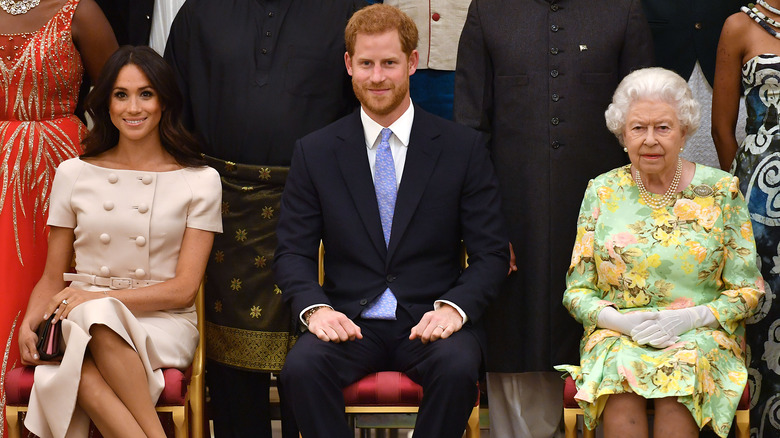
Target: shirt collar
{"type": "Point", "coordinates": [402, 127]}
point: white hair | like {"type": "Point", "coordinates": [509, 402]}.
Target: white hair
{"type": "Point", "coordinates": [654, 84]}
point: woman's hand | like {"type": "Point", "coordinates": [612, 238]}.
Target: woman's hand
{"type": "Point", "coordinates": [610, 318]}
{"type": "Point", "coordinates": [28, 341]}
{"type": "Point", "coordinates": [66, 300]}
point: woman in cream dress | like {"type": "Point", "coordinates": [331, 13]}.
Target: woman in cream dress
{"type": "Point", "coordinates": [140, 212]}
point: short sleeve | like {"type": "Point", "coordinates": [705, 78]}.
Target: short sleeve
{"type": "Point", "coordinates": [205, 209]}
{"type": "Point", "coordinates": [61, 212]}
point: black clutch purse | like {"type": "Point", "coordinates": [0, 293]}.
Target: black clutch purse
{"type": "Point", "coordinates": [50, 340]}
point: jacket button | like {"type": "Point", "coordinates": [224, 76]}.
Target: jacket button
{"type": "Point", "coordinates": [554, 50]}
{"type": "Point", "coordinates": [112, 178]}
{"type": "Point", "coordinates": [554, 28]}
{"type": "Point", "coordinates": [390, 278]}
{"type": "Point", "coordinates": [555, 121]}
{"type": "Point", "coordinates": [698, 26]}
{"type": "Point", "coordinates": [105, 238]}
{"type": "Point", "coordinates": [554, 7]}
{"type": "Point", "coordinates": [556, 144]}
{"type": "Point", "coordinates": [363, 302]}
{"type": "Point", "coordinates": [108, 205]}
{"type": "Point", "coordinates": [435, 17]}
{"type": "Point", "coordinates": [555, 97]}
{"type": "Point", "coordinates": [143, 208]}
{"type": "Point", "coordinates": [140, 241]}
{"type": "Point", "coordinates": [554, 73]}
{"type": "Point", "coordinates": [105, 271]}
{"type": "Point", "coordinates": [147, 179]}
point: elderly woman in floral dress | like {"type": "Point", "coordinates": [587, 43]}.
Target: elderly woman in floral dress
{"type": "Point", "coordinates": [662, 275]}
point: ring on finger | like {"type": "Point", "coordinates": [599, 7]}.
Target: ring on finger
{"type": "Point", "coordinates": [442, 327]}
{"type": "Point", "coordinates": [65, 302]}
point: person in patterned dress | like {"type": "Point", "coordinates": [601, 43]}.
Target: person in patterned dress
{"type": "Point", "coordinates": [44, 51]}
{"type": "Point", "coordinates": [749, 54]}
{"type": "Point", "coordinates": [662, 274]}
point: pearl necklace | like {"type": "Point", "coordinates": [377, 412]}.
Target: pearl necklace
{"type": "Point", "coordinates": [770, 8]}
{"type": "Point", "coordinates": [670, 194]}
{"type": "Point", "coordinates": [17, 7]}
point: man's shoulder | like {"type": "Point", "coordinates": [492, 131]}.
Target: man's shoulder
{"type": "Point", "coordinates": [342, 128]}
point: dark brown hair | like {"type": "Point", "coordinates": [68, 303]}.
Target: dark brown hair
{"type": "Point", "coordinates": [175, 139]}
{"type": "Point", "coordinates": [380, 18]}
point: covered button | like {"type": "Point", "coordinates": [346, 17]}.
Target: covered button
{"type": "Point", "coordinates": [108, 205]}
{"type": "Point", "coordinates": [104, 271]}
{"type": "Point", "coordinates": [140, 240]}
{"type": "Point", "coordinates": [112, 178]}
{"type": "Point", "coordinates": [140, 273]}
{"type": "Point", "coordinates": [105, 238]}
{"type": "Point", "coordinates": [143, 208]}
{"type": "Point", "coordinates": [147, 179]}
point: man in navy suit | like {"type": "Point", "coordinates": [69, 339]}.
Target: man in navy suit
{"type": "Point", "coordinates": [391, 190]}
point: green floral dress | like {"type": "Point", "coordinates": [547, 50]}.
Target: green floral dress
{"type": "Point", "coordinates": [627, 255]}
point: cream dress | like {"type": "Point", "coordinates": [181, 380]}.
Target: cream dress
{"type": "Point", "coordinates": [127, 224]}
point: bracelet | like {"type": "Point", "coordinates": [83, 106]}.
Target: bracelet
{"type": "Point", "coordinates": [309, 313]}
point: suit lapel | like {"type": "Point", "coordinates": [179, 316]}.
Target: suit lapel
{"type": "Point", "coordinates": [421, 159]}
{"type": "Point", "coordinates": [353, 162]}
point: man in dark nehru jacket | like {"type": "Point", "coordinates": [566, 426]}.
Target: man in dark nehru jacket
{"type": "Point", "coordinates": [537, 75]}
{"type": "Point", "coordinates": [256, 75]}
{"type": "Point", "coordinates": [391, 190]}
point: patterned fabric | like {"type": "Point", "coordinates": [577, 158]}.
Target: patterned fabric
{"type": "Point", "coordinates": [757, 164]}
{"type": "Point", "coordinates": [248, 326]}
{"type": "Point", "coordinates": [40, 76]}
{"type": "Point", "coordinates": [386, 191]}
{"type": "Point", "coordinates": [698, 252]}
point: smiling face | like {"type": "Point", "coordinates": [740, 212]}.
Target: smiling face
{"type": "Point", "coordinates": [380, 73]}
{"type": "Point", "coordinates": [135, 109]}
{"type": "Point", "coordinates": [653, 137]}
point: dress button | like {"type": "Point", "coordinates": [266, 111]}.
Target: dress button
{"type": "Point", "coordinates": [554, 7]}
{"type": "Point", "coordinates": [435, 17]}
{"type": "Point", "coordinates": [554, 50]}
{"type": "Point", "coordinates": [143, 208]}
{"type": "Point", "coordinates": [140, 273]}
{"type": "Point", "coordinates": [140, 240]}
{"type": "Point", "coordinates": [555, 121]}
{"type": "Point", "coordinates": [105, 238]}
{"type": "Point", "coordinates": [554, 73]}
{"type": "Point", "coordinates": [104, 271]}
{"type": "Point", "coordinates": [147, 179]}
{"type": "Point", "coordinates": [698, 26]}
{"type": "Point", "coordinates": [363, 302]}
{"type": "Point", "coordinates": [555, 97]}
{"type": "Point", "coordinates": [112, 178]}
{"type": "Point", "coordinates": [108, 205]}
{"type": "Point", "coordinates": [554, 28]}
{"type": "Point", "coordinates": [556, 144]}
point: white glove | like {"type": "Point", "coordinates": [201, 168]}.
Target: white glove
{"type": "Point", "coordinates": [671, 324]}
{"type": "Point", "coordinates": [610, 318]}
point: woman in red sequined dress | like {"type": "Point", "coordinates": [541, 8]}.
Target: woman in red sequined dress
{"type": "Point", "coordinates": [45, 47]}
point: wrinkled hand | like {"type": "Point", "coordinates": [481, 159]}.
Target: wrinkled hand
{"type": "Point", "coordinates": [66, 300]}
{"type": "Point", "coordinates": [437, 324]}
{"type": "Point", "coordinates": [610, 318]}
{"type": "Point", "coordinates": [332, 326]}
{"type": "Point", "coordinates": [512, 260]}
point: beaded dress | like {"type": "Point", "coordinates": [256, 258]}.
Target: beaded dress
{"type": "Point", "coordinates": [40, 75]}
{"type": "Point", "coordinates": [757, 164]}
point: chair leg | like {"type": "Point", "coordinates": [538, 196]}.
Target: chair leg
{"type": "Point", "coordinates": [179, 422]}
{"type": "Point", "coordinates": [743, 424]}
{"type": "Point", "coordinates": [472, 428]}
{"type": "Point", "coordinates": [570, 422]}
{"type": "Point", "coordinates": [587, 433]}
{"type": "Point", "coordinates": [12, 416]}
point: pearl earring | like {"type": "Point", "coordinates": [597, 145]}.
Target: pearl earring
{"type": "Point", "coordinates": [625, 150]}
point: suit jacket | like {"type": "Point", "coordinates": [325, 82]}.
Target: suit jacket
{"type": "Point", "coordinates": [448, 192]}
{"type": "Point", "coordinates": [537, 76]}
{"type": "Point", "coordinates": [687, 31]}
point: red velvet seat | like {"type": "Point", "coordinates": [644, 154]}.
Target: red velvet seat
{"type": "Point", "coordinates": [571, 409]}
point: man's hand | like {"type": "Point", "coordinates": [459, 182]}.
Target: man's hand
{"type": "Point", "coordinates": [512, 260]}
{"type": "Point", "coordinates": [332, 326]}
{"type": "Point", "coordinates": [437, 324]}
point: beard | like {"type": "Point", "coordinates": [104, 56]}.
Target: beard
{"type": "Point", "coordinates": [381, 105]}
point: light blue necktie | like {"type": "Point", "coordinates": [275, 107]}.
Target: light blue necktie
{"type": "Point", "coordinates": [385, 187]}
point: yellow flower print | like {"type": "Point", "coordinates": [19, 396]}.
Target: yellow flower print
{"type": "Point", "coordinates": [610, 273]}
{"type": "Point", "coordinates": [640, 299]}
{"type": "Point", "coordinates": [727, 342]}
{"type": "Point", "coordinates": [667, 378]}
{"type": "Point", "coordinates": [734, 186]}
{"type": "Point", "coordinates": [746, 230]}
{"type": "Point", "coordinates": [686, 209]}
{"type": "Point", "coordinates": [705, 202]}
{"type": "Point", "coordinates": [696, 250]}
{"type": "Point", "coordinates": [708, 216]}
{"type": "Point", "coordinates": [605, 193]}
{"type": "Point", "coordinates": [687, 267]}
{"type": "Point", "coordinates": [662, 217]}
{"type": "Point", "coordinates": [707, 383]}
{"type": "Point", "coordinates": [686, 356]}
{"type": "Point", "coordinates": [667, 239]}
{"type": "Point", "coordinates": [598, 336]}
{"type": "Point", "coordinates": [583, 248]}
{"type": "Point", "coordinates": [738, 377]}
{"type": "Point", "coordinates": [255, 312]}
{"type": "Point", "coordinates": [636, 277]}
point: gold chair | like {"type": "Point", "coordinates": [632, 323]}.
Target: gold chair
{"type": "Point", "coordinates": [389, 400]}
{"type": "Point", "coordinates": [183, 396]}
